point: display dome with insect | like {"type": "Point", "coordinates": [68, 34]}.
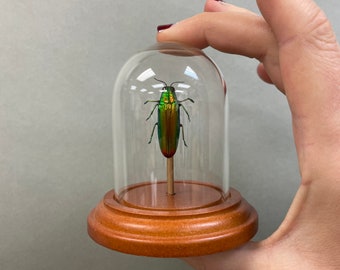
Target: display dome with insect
{"type": "Point", "coordinates": [170, 159]}
{"type": "Point", "coordinates": [169, 122]}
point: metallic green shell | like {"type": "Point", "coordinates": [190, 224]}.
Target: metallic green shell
{"type": "Point", "coordinates": [168, 122]}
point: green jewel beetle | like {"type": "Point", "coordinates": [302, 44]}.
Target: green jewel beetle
{"type": "Point", "coordinates": [168, 124]}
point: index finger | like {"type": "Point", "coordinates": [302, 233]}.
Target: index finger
{"type": "Point", "coordinates": [235, 31]}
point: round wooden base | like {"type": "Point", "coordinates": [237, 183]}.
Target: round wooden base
{"type": "Point", "coordinates": [198, 220]}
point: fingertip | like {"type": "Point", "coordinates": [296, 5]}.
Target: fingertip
{"type": "Point", "coordinates": [162, 32]}
{"type": "Point", "coordinates": [290, 18]}
{"type": "Point", "coordinates": [163, 27]}
{"type": "Point", "coordinates": [221, 6]}
{"type": "Point", "coordinates": [215, 6]}
{"type": "Point", "coordinates": [186, 32]}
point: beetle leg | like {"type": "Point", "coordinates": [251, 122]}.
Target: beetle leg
{"type": "Point", "coordinates": [151, 101]}
{"type": "Point", "coordinates": [151, 112]}
{"type": "Point", "coordinates": [153, 130]}
{"type": "Point", "coordinates": [181, 126]}
{"type": "Point", "coordinates": [185, 111]}
{"type": "Point", "coordinates": [187, 100]}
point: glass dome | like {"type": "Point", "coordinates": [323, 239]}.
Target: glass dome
{"type": "Point", "coordinates": [170, 137]}
{"type": "Point", "coordinates": [171, 195]}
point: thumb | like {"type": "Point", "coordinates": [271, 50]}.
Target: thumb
{"type": "Point", "coordinates": [290, 19]}
{"type": "Point", "coordinates": [309, 58]}
{"type": "Point", "coordinates": [306, 42]}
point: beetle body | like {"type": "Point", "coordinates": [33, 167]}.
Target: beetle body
{"type": "Point", "coordinates": [168, 123]}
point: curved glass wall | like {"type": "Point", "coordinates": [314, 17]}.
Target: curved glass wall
{"type": "Point", "coordinates": [170, 120]}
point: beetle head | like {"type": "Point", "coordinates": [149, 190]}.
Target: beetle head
{"type": "Point", "coordinates": [168, 87]}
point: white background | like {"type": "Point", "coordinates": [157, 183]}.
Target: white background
{"type": "Point", "coordinates": [58, 64]}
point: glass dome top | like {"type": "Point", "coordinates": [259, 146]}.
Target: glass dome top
{"type": "Point", "coordinates": [170, 121]}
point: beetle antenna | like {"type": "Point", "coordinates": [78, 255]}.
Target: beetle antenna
{"type": "Point", "coordinates": [161, 81]}
{"type": "Point", "coordinates": [175, 82]}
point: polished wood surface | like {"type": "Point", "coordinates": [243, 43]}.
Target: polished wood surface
{"type": "Point", "coordinates": [199, 219]}
{"type": "Point", "coordinates": [187, 195]}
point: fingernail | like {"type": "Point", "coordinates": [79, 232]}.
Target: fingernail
{"type": "Point", "coordinates": [163, 27]}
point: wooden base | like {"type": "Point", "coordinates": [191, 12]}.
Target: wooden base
{"type": "Point", "coordinates": [198, 220]}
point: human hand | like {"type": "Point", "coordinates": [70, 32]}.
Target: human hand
{"type": "Point", "coordinates": [298, 52]}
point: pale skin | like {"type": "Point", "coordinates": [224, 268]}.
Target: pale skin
{"type": "Point", "coordinates": [298, 53]}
